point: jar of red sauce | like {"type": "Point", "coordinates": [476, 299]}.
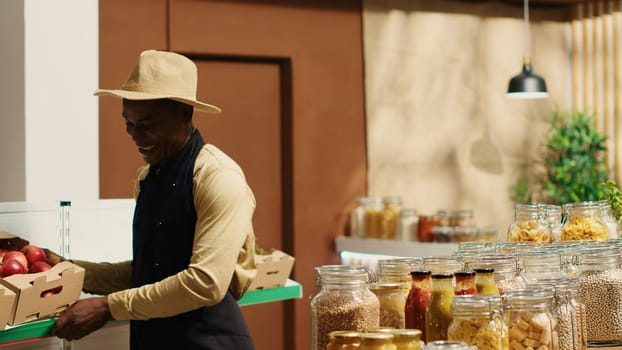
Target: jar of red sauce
{"type": "Point", "coordinates": [417, 301]}
{"type": "Point", "coordinates": [424, 228]}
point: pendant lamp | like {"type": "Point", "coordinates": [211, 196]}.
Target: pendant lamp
{"type": "Point", "coordinates": [527, 85]}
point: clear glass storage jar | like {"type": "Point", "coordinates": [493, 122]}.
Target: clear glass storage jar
{"type": "Point", "coordinates": [548, 264]}
{"type": "Point", "coordinates": [609, 218]}
{"type": "Point", "coordinates": [391, 206]}
{"type": "Point", "coordinates": [442, 264]}
{"type": "Point", "coordinates": [407, 339]}
{"type": "Point", "coordinates": [407, 225]}
{"type": "Point", "coordinates": [343, 303]}
{"type": "Point", "coordinates": [552, 214]}
{"type": "Point", "coordinates": [447, 345]}
{"type": "Point", "coordinates": [600, 289]}
{"type": "Point", "coordinates": [462, 218]}
{"type": "Point", "coordinates": [417, 301]}
{"type": "Point", "coordinates": [398, 270]}
{"type": "Point", "coordinates": [478, 321]}
{"type": "Point", "coordinates": [392, 303]}
{"type": "Point", "coordinates": [531, 322]}
{"type": "Point", "coordinates": [529, 225]}
{"type": "Point", "coordinates": [357, 217]}
{"type": "Point", "coordinates": [584, 221]}
{"type": "Point", "coordinates": [507, 274]}
{"type": "Point", "coordinates": [343, 340]}
{"type": "Point", "coordinates": [438, 311]}
{"type": "Point", "coordinates": [374, 216]}
{"type": "Point", "coordinates": [377, 341]}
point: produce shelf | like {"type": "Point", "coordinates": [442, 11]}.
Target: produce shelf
{"type": "Point", "coordinates": [36, 330]}
{"type": "Point", "coordinates": [393, 247]}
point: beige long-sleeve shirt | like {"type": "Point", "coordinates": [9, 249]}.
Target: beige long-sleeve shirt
{"type": "Point", "coordinates": [223, 252]}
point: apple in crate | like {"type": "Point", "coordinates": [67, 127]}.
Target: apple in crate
{"type": "Point", "coordinates": [39, 266]}
{"type": "Point", "coordinates": [17, 255]}
{"type": "Point", "coordinates": [11, 267]}
{"type": "Point", "coordinates": [33, 253]}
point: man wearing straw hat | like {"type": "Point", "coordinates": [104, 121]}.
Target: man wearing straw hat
{"type": "Point", "coordinates": [193, 240]}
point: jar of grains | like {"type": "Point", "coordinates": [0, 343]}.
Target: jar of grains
{"type": "Point", "coordinates": [343, 303]}
{"type": "Point", "coordinates": [447, 345]}
{"type": "Point", "coordinates": [600, 289]}
{"type": "Point", "coordinates": [407, 339]}
{"type": "Point", "coordinates": [529, 225]}
{"type": "Point", "coordinates": [357, 217]}
{"type": "Point", "coordinates": [507, 275]}
{"type": "Point", "coordinates": [584, 222]}
{"type": "Point", "coordinates": [530, 319]}
{"type": "Point", "coordinates": [553, 216]}
{"type": "Point", "coordinates": [392, 302]}
{"type": "Point", "coordinates": [391, 206]}
{"type": "Point", "coordinates": [374, 216]}
{"type": "Point", "coordinates": [478, 321]}
{"type": "Point", "coordinates": [417, 301]}
{"type": "Point", "coordinates": [564, 310]}
{"type": "Point", "coordinates": [438, 311]}
{"type": "Point", "coordinates": [377, 341]}
{"type": "Point", "coordinates": [343, 340]}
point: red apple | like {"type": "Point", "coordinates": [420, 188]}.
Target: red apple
{"type": "Point", "coordinates": [39, 266]}
{"type": "Point", "coordinates": [2, 251]}
{"type": "Point", "coordinates": [49, 292]}
{"type": "Point", "coordinates": [19, 256]}
{"type": "Point", "coordinates": [11, 267]}
{"type": "Point", "coordinates": [33, 253]}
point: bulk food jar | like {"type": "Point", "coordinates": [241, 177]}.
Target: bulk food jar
{"type": "Point", "coordinates": [609, 218]}
{"type": "Point", "coordinates": [600, 289]}
{"type": "Point", "coordinates": [377, 341]}
{"type": "Point", "coordinates": [584, 222]}
{"type": "Point", "coordinates": [530, 319]}
{"type": "Point", "coordinates": [417, 301]}
{"type": "Point", "coordinates": [506, 270]}
{"type": "Point", "coordinates": [529, 225]}
{"type": "Point", "coordinates": [447, 345]}
{"type": "Point", "coordinates": [343, 303]}
{"type": "Point", "coordinates": [407, 339]}
{"type": "Point", "coordinates": [539, 265]}
{"type": "Point", "coordinates": [478, 321]}
{"type": "Point", "coordinates": [442, 264]}
{"type": "Point", "coordinates": [343, 340]}
{"type": "Point", "coordinates": [553, 216]}
{"type": "Point", "coordinates": [438, 311]}
{"type": "Point", "coordinates": [392, 303]}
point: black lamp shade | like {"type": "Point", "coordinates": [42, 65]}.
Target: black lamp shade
{"type": "Point", "coordinates": [527, 85]}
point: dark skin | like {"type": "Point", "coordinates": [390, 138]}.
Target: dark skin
{"type": "Point", "coordinates": [160, 129]}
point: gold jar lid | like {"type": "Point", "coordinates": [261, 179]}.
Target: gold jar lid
{"type": "Point", "coordinates": [344, 335]}
{"type": "Point", "coordinates": [379, 330]}
{"type": "Point", "coordinates": [377, 336]}
{"type": "Point", "coordinates": [407, 333]}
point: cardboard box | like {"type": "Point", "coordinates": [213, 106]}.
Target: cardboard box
{"type": "Point", "coordinates": [7, 303]}
{"type": "Point", "coordinates": [273, 270]}
{"type": "Point", "coordinates": [39, 295]}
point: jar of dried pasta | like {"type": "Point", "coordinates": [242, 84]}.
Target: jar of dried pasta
{"type": "Point", "coordinates": [391, 206]}
{"type": "Point", "coordinates": [478, 321]}
{"type": "Point", "coordinates": [530, 318]}
{"type": "Point", "coordinates": [529, 225]}
{"type": "Point", "coordinates": [584, 221]}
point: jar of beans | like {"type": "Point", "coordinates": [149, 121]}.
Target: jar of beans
{"type": "Point", "coordinates": [600, 289]}
{"type": "Point", "coordinates": [478, 321]}
{"type": "Point", "coordinates": [343, 303]}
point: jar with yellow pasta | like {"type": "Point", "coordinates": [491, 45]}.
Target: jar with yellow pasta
{"type": "Point", "coordinates": [478, 321]}
{"type": "Point", "coordinates": [529, 225]}
{"type": "Point", "coordinates": [584, 222]}
{"type": "Point", "coordinates": [391, 206]}
{"type": "Point", "coordinates": [529, 316]}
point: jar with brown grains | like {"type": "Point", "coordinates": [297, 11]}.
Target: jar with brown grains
{"type": "Point", "coordinates": [343, 303]}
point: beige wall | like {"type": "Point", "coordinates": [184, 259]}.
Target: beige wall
{"type": "Point", "coordinates": [436, 73]}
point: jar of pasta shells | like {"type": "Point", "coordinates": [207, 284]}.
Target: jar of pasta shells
{"type": "Point", "coordinates": [530, 319]}
{"type": "Point", "coordinates": [343, 303]}
{"type": "Point", "coordinates": [529, 225]}
{"type": "Point", "coordinates": [584, 221]}
{"type": "Point", "coordinates": [478, 321]}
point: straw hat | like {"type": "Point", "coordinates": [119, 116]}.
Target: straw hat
{"type": "Point", "coordinates": [162, 74]}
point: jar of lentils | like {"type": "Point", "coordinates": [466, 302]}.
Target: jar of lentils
{"type": "Point", "coordinates": [600, 289]}
{"type": "Point", "coordinates": [343, 303]}
{"type": "Point", "coordinates": [478, 321]}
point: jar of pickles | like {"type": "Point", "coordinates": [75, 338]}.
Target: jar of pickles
{"type": "Point", "coordinates": [377, 341]}
{"type": "Point", "coordinates": [407, 339]}
{"type": "Point", "coordinates": [584, 221]}
{"type": "Point", "coordinates": [438, 311]}
{"type": "Point", "coordinates": [343, 303]}
{"type": "Point", "coordinates": [529, 225]}
{"type": "Point", "coordinates": [530, 319]}
{"type": "Point", "coordinates": [478, 321]}
{"type": "Point", "coordinates": [392, 302]}
{"type": "Point", "coordinates": [343, 340]}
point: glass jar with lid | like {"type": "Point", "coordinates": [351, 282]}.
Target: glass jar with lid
{"type": "Point", "coordinates": [343, 340]}
{"type": "Point", "coordinates": [465, 283]}
{"type": "Point", "coordinates": [391, 206]}
{"type": "Point", "coordinates": [485, 281]}
{"type": "Point", "coordinates": [462, 218]}
{"type": "Point", "coordinates": [417, 301]}
{"type": "Point", "coordinates": [377, 341]}
{"type": "Point", "coordinates": [565, 313]}
{"type": "Point", "coordinates": [374, 217]}
{"type": "Point", "coordinates": [478, 321]}
{"type": "Point", "coordinates": [407, 225]}
{"type": "Point", "coordinates": [584, 221]}
{"type": "Point", "coordinates": [547, 264]}
{"type": "Point", "coordinates": [407, 339]}
{"type": "Point", "coordinates": [487, 233]}
{"type": "Point", "coordinates": [357, 217]}
{"type": "Point", "coordinates": [530, 319]}
{"type": "Point", "coordinates": [442, 217]}
{"type": "Point", "coordinates": [343, 303]}
{"type": "Point", "coordinates": [424, 228]}
{"type": "Point", "coordinates": [506, 272]}
{"type": "Point", "coordinates": [579, 308]}
{"type": "Point", "coordinates": [397, 270]}
{"type": "Point", "coordinates": [609, 218]}
{"type": "Point", "coordinates": [392, 303]}
{"type": "Point", "coordinates": [463, 234]}
{"type": "Point", "coordinates": [438, 311]}
{"type": "Point", "coordinates": [552, 214]}
{"type": "Point", "coordinates": [442, 264]}
{"type": "Point", "coordinates": [447, 345]}
{"type": "Point", "coordinates": [442, 233]}
{"type": "Point", "coordinates": [529, 225]}
{"type": "Point", "coordinates": [600, 289]}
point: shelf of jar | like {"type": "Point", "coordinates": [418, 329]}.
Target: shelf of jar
{"type": "Point", "coordinates": [383, 247]}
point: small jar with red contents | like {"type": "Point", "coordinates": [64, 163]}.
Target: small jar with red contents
{"type": "Point", "coordinates": [417, 300]}
{"type": "Point", "coordinates": [424, 228]}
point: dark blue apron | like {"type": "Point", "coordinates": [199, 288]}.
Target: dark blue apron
{"type": "Point", "coordinates": [164, 222]}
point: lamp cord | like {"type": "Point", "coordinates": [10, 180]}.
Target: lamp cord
{"type": "Point", "coordinates": [527, 32]}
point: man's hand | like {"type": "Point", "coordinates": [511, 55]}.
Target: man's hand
{"type": "Point", "coordinates": [82, 318]}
